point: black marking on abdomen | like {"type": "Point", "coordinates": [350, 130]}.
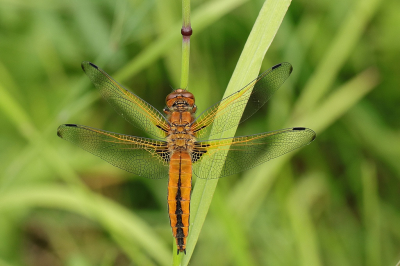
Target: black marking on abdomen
{"type": "Point", "coordinates": [178, 197]}
{"type": "Point", "coordinates": [179, 234]}
{"type": "Point", "coordinates": [178, 211]}
{"type": "Point", "coordinates": [178, 206]}
{"type": "Point", "coordinates": [179, 221]}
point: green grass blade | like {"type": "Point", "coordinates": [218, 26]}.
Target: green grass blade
{"type": "Point", "coordinates": [339, 51]}
{"type": "Point", "coordinates": [119, 221]}
{"type": "Point", "coordinates": [372, 213]}
{"type": "Point", "coordinates": [299, 207]}
{"type": "Point", "coordinates": [248, 67]}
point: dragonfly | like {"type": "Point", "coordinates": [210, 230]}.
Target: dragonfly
{"type": "Point", "coordinates": [184, 144]}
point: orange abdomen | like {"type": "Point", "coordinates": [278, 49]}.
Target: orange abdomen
{"type": "Point", "coordinates": [179, 186]}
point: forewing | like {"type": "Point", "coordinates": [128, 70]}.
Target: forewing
{"type": "Point", "coordinates": [140, 156]}
{"type": "Point", "coordinates": [242, 153]}
{"type": "Point", "coordinates": [225, 114]}
{"type": "Point", "coordinates": [135, 110]}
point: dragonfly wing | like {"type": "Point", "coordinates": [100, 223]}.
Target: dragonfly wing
{"type": "Point", "coordinates": [242, 153]}
{"type": "Point", "coordinates": [140, 156]}
{"type": "Point", "coordinates": [135, 110]}
{"type": "Point", "coordinates": [225, 114]}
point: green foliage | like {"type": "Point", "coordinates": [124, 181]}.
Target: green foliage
{"type": "Point", "coordinates": [334, 202]}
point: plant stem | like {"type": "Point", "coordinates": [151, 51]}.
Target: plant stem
{"type": "Point", "coordinates": [186, 32]}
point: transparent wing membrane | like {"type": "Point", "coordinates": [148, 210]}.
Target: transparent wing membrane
{"type": "Point", "coordinates": [140, 156]}
{"type": "Point", "coordinates": [135, 110]}
{"type": "Point", "coordinates": [150, 158]}
{"type": "Point", "coordinates": [242, 153]}
{"type": "Point", "coordinates": [225, 114]}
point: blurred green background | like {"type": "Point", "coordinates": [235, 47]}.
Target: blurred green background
{"type": "Point", "coordinates": [334, 202]}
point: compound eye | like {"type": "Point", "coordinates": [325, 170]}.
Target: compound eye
{"type": "Point", "coordinates": [171, 96]}
{"type": "Point", "coordinates": [188, 95]}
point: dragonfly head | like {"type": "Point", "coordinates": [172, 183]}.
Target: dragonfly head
{"type": "Point", "coordinates": [181, 99]}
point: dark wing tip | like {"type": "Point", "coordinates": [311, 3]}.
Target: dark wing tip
{"type": "Point", "coordinates": [299, 128]}
{"type": "Point", "coordinates": [313, 135]}
{"type": "Point", "coordinates": [85, 64]}
{"type": "Point", "coordinates": [59, 129]}
{"type": "Point", "coordinates": [93, 65]}
{"type": "Point", "coordinates": [276, 66]}
{"type": "Point", "coordinates": [285, 64]}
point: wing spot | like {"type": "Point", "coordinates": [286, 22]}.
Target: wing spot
{"type": "Point", "coordinates": [93, 65]}
{"type": "Point", "coordinates": [276, 66]}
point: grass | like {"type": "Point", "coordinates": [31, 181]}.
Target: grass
{"type": "Point", "coordinates": [334, 202]}
{"type": "Point", "coordinates": [260, 38]}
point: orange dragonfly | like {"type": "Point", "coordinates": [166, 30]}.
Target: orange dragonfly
{"type": "Point", "coordinates": [177, 151]}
